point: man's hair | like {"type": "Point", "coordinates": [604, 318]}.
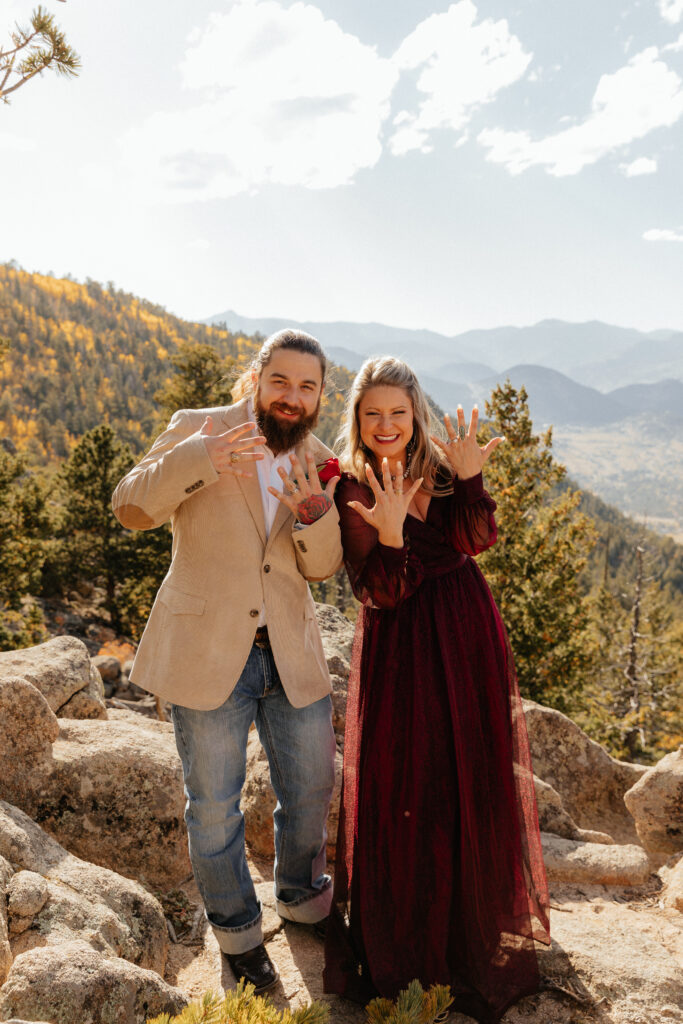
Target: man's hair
{"type": "Point", "coordinates": [288, 338]}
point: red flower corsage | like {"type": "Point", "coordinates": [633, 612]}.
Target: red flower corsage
{"type": "Point", "coordinates": [327, 470]}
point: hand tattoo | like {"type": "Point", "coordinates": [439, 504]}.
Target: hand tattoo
{"type": "Point", "coordinates": [312, 508]}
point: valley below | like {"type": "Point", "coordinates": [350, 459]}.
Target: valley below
{"type": "Point", "coordinates": [635, 464]}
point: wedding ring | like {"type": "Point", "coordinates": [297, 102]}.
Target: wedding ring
{"type": "Point", "coordinates": [234, 457]}
{"type": "Point", "coordinates": [461, 432]}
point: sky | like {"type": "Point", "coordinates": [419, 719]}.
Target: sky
{"type": "Point", "coordinates": [419, 164]}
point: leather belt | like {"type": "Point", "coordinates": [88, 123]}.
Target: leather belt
{"type": "Point", "coordinates": [261, 638]}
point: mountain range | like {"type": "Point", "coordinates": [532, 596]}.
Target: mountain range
{"type": "Point", "coordinates": [575, 374]}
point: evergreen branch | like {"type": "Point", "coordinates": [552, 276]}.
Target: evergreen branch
{"type": "Point", "coordinates": [25, 40]}
{"type": "Point", "coordinates": [56, 55]}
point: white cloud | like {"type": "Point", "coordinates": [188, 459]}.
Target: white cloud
{"type": "Point", "coordinates": [643, 95]}
{"type": "Point", "coordinates": [674, 47]}
{"type": "Point", "coordinates": [285, 97]}
{"type": "Point", "coordinates": [671, 10]}
{"type": "Point", "coordinates": [643, 165]}
{"type": "Point", "coordinates": [462, 66]}
{"type": "Point", "coordinates": [663, 235]}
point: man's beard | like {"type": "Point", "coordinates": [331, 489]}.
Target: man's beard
{"type": "Point", "coordinates": [281, 436]}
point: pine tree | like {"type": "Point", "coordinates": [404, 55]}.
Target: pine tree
{"type": "Point", "coordinates": [23, 531]}
{"type": "Point", "coordinates": [129, 565]}
{"type": "Point", "coordinates": [202, 378]}
{"type": "Point", "coordinates": [92, 539]}
{"type": "Point", "coordinates": [635, 703]}
{"type": "Point", "coordinates": [41, 47]}
{"type": "Point", "coordinates": [533, 570]}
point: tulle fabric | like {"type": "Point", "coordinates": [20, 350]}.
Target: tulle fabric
{"type": "Point", "coordinates": [439, 872]}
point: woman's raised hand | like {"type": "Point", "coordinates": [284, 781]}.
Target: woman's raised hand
{"type": "Point", "coordinates": [462, 451]}
{"type": "Point", "coordinates": [391, 504]}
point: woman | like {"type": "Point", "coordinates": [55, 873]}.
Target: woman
{"type": "Point", "coordinates": [439, 869]}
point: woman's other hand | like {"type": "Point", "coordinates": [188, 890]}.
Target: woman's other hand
{"type": "Point", "coordinates": [391, 504]}
{"type": "Point", "coordinates": [465, 456]}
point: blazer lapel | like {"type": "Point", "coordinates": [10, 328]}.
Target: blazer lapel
{"type": "Point", "coordinates": [249, 485]}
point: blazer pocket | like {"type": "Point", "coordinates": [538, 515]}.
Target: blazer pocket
{"type": "Point", "coordinates": [181, 604]}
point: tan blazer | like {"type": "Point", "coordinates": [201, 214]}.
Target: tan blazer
{"type": "Point", "coordinates": [201, 627]}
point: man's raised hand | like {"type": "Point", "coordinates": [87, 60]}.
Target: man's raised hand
{"type": "Point", "coordinates": [231, 449]}
{"type": "Point", "coordinates": [304, 495]}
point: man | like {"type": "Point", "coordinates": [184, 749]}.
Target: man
{"type": "Point", "coordinates": [233, 639]}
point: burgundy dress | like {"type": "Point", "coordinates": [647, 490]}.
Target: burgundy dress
{"type": "Point", "coordinates": [439, 871]}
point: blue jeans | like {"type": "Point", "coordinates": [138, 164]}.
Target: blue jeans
{"type": "Point", "coordinates": [300, 746]}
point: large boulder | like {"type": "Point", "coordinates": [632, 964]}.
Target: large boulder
{"type": "Point", "coordinates": [85, 945]}
{"type": "Point", "coordinates": [110, 791]}
{"type": "Point", "coordinates": [337, 634]}
{"type": "Point", "coordinates": [74, 984]}
{"type": "Point", "coordinates": [6, 872]}
{"type": "Point", "coordinates": [656, 803]}
{"type": "Point", "coordinates": [27, 894]}
{"type": "Point", "coordinates": [568, 860]}
{"type": "Point", "coordinates": [61, 898]}
{"type": "Point", "coordinates": [258, 802]}
{"type": "Point", "coordinates": [553, 817]}
{"type": "Point", "coordinates": [671, 875]}
{"type": "Point", "coordinates": [59, 669]}
{"type": "Point", "coordinates": [590, 783]}
{"type": "Point", "coordinates": [28, 728]}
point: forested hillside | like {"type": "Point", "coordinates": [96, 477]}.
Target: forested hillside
{"type": "Point", "coordinates": [83, 354]}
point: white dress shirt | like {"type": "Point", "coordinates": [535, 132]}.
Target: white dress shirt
{"type": "Point", "coordinates": [268, 475]}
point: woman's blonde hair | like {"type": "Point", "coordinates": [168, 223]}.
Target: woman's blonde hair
{"type": "Point", "coordinates": [426, 460]}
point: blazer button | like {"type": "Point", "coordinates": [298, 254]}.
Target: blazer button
{"type": "Point", "coordinates": [266, 568]}
{"type": "Point", "coordinates": [253, 612]}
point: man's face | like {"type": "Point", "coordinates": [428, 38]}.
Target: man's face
{"type": "Point", "coordinates": [287, 398]}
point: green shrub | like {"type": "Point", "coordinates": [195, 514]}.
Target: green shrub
{"type": "Point", "coordinates": [241, 1006]}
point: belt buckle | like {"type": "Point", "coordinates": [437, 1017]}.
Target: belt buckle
{"type": "Point", "coordinates": [262, 641]}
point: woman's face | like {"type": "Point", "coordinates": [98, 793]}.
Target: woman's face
{"type": "Point", "coordinates": [385, 418]}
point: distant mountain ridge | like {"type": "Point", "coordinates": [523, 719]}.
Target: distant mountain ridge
{"type": "Point", "coordinates": [595, 354]}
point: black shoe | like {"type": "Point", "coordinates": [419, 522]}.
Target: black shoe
{"type": "Point", "coordinates": [254, 966]}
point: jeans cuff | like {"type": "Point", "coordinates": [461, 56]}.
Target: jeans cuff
{"type": "Point", "coordinates": [308, 909]}
{"type": "Point", "coordinates": [241, 939]}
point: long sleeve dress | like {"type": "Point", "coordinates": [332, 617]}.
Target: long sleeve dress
{"type": "Point", "coordinates": [439, 871]}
